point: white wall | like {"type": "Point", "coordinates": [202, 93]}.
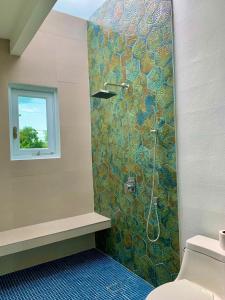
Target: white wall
{"type": "Point", "coordinates": [200, 83]}
{"type": "Point", "coordinates": [42, 190]}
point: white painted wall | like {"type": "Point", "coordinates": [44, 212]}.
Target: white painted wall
{"type": "Point", "coordinates": [36, 191]}
{"type": "Point", "coordinates": [200, 83]}
{"type": "Point", "coordinates": [32, 192]}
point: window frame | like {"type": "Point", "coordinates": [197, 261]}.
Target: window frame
{"type": "Point", "coordinates": [52, 114]}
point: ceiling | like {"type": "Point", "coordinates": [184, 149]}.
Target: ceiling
{"type": "Point", "coordinates": [10, 14]}
{"type": "Point", "coordinates": [79, 8]}
{"type": "Point", "coordinates": [20, 20]}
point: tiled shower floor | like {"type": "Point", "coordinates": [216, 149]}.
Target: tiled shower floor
{"type": "Point", "coordinates": [87, 275]}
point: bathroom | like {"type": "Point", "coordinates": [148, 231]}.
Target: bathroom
{"type": "Point", "coordinates": [112, 149]}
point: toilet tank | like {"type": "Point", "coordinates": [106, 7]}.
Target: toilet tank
{"type": "Point", "coordinates": [204, 264]}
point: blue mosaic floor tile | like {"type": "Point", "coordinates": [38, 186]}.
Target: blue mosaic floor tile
{"type": "Point", "coordinates": [87, 275]}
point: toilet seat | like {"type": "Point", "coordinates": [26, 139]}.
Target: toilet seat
{"type": "Point", "coordinates": [181, 289]}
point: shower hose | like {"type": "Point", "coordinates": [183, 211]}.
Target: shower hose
{"type": "Point", "coordinates": [153, 200]}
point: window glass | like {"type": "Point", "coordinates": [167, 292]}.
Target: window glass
{"type": "Point", "coordinates": [34, 122]}
{"type": "Point", "coordinates": [33, 131]}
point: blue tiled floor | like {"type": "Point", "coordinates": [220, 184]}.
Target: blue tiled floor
{"type": "Point", "coordinates": [88, 275]}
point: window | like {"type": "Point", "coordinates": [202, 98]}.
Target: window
{"type": "Point", "coordinates": [34, 122]}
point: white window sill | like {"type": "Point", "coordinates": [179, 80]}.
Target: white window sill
{"type": "Point", "coordinates": [38, 157]}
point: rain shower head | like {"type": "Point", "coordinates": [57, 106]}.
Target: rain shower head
{"type": "Point", "coordinates": [105, 94]}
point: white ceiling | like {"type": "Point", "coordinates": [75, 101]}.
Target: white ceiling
{"type": "Point", "coordinates": [79, 8]}
{"type": "Point", "coordinates": [10, 14]}
{"type": "Point", "coordinates": [20, 20]}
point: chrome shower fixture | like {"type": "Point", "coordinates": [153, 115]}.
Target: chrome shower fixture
{"type": "Point", "coordinates": [153, 130]}
{"type": "Point", "coordinates": [106, 94]}
{"type": "Point", "coordinates": [122, 85]}
{"type": "Point", "coordinates": [153, 206]}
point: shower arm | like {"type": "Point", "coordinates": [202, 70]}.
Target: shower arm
{"type": "Point", "coordinates": [122, 85]}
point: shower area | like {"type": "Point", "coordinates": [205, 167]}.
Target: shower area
{"type": "Point", "coordinates": [130, 44]}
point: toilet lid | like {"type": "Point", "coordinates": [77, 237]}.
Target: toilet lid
{"type": "Point", "coordinates": [180, 289]}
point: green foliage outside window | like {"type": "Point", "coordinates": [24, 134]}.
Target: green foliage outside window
{"type": "Point", "coordinates": [29, 139]}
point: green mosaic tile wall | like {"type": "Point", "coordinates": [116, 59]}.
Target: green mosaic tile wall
{"type": "Point", "coordinates": [132, 41]}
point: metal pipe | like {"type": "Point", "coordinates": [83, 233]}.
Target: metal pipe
{"type": "Point", "coordinates": [122, 85]}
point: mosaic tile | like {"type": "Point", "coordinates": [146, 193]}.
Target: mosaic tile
{"type": "Point", "coordinates": [84, 276]}
{"type": "Point", "coordinates": [131, 41]}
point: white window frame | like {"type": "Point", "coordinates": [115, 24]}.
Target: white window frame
{"type": "Point", "coordinates": [53, 127]}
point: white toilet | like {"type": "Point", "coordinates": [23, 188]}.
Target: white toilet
{"type": "Point", "coordinates": [202, 274]}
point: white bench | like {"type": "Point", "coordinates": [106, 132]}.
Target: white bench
{"type": "Point", "coordinates": [29, 237]}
